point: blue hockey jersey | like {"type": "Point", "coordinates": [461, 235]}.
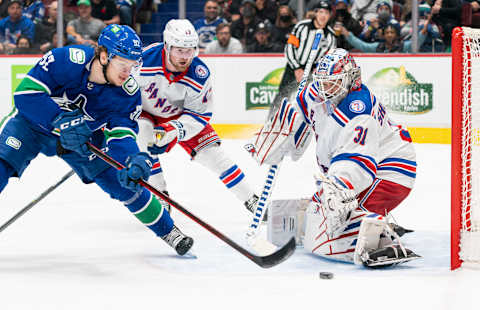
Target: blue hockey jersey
{"type": "Point", "coordinates": [59, 82]}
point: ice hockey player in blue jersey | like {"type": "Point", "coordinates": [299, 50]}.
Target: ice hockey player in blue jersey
{"type": "Point", "coordinates": [367, 164]}
{"type": "Point", "coordinates": [79, 94]}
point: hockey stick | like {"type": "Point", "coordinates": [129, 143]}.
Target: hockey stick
{"type": "Point", "coordinates": [263, 261]}
{"type": "Point", "coordinates": [36, 200]}
{"type": "Point", "coordinates": [259, 244]}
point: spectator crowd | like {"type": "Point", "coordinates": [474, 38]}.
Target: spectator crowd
{"type": "Point", "coordinates": [30, 26]}
{"type": "Point", "coordinates": [245, 26]}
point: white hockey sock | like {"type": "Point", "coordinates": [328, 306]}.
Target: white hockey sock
{"type": "Point", "coordinates": [144, 138]}
{"type": "Point", "coordinates": [229, 173]}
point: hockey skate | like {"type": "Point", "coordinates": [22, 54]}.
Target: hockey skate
{"type": "Point", "coordinates": [178, 240]}
{"type": "Point", "coordinates": [399, 230]}
{"type": "Point", "coordinates": [251, 204]}
{"type": "Point", "coordinates": [391, 255]}
{"type": "Point", "coordinates": [375, 247]}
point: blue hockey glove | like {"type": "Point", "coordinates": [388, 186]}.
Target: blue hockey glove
{"type": "Point", "coordinates": [74, 132]}
{"type": "Point", "coordinates": [166, 136]}
{"type": "Point", "coordinates": [138, 166]}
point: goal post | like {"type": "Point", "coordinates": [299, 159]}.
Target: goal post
{"type": "Point", "coordinates": [465, 169]}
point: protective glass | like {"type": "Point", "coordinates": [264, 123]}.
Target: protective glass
{"type": "Point", "coordinates": [182, 52]}
{"type": "Point", "coordinates": [126, 65]}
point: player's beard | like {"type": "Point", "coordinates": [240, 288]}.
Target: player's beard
{"type": "Point", "coordinates": [180, 65]}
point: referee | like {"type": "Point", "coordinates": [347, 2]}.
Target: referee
{"type": "Point", "coordinates": [299, 46]}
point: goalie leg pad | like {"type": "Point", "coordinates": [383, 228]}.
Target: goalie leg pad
{"type": "Point", "coordinates": [286, 220]}
{"type": "Point", "coordinates": [341, 245]}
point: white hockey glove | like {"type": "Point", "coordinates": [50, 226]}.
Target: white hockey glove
{"type": "Point", "coordinates": [285, 133]}
{"type": "Point", "coordinates": [338, 201]}
{"type": "Point", "coordinates": [166, 136]}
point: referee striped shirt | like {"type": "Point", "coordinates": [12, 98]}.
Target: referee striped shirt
{"type": "Point", "coordinates": [300, 43]}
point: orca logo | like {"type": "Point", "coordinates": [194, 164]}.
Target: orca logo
{"type": "Point", "coordinates": [13, 142]}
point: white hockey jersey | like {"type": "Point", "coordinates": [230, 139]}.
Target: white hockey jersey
{"type": "Point", "coordinates": [358, 141]}
{"type": "Point", "coordinates": [186, 96]}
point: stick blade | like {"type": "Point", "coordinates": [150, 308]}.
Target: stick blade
{"type": "Point", "coordinates": [277, 257]}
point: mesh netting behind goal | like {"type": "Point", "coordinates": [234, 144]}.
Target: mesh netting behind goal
{"type": "Point", "coordinates": [465, 146]}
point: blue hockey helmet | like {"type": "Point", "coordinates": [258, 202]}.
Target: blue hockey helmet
{"type": "Point", "coordinates": [121, 40]}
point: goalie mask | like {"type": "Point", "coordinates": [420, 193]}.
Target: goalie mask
{"type": "Point", "coordinates": [336, 74]}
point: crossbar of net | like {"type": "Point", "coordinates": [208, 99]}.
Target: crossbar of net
{"type": "Point", "coordinates": [470, 234]}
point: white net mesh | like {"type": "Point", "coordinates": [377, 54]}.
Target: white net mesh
{"type": "Point", "coordinates": [470, 234]}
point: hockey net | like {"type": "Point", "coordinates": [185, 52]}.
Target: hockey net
{"type": "Point", "coordinates": [465, 191]}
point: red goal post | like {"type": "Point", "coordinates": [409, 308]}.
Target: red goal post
{"type": "Point", "coordinates": [465, 170]}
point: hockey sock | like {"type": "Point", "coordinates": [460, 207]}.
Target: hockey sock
{"type": "Point", "coordinates": [229, 173]}
{"type": "Point", "coordinates": [6, 171]}
{"type": "Point", "coordinates": [151, 213]}
{"type": "Point", "coordinates": [156, 178]}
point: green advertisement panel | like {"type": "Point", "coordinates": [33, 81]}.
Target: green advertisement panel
{"type": "Point", "coordinates": [400, 92]}
{"type": "Point", "coordinates": [259, 95]}
{"type": "Point", "coordinates": [18, 73]}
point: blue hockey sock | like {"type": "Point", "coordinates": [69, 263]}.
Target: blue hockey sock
{"type": "Point", "coordinates": [151, 213]}
{"type": "Point", "coordinates": [6, 171]}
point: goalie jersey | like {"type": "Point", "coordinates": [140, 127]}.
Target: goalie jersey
{"type": "Point", "coordinates": [184, 96]}
{"type": "Point", "coordinates": [358, 141]}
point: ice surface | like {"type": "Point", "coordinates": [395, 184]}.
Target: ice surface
{"type": "Point", "coordinates": [78, 249]}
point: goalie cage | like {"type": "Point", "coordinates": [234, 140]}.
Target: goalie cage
{"type": "Point", "coordinates": [465, 173]}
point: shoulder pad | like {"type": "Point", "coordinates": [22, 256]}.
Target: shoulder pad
{"type": "Point", "coordinates": [79, 54]}
{"type": "Point", "coordinates": [130, 86]}
{"type": "Point", "coordinates": [198, 71]}
{"type": "Point", "coordinates": [358, 102]}
{"type": "Point", "coordinates": [152, 55]}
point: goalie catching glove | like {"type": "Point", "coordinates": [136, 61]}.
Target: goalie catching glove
{"type": "Point", "coordinates": [166, 136]}
{"type": "Point", "coordinates": [338, 198]}
{"type": "Point", "coordinates": [285, 133]}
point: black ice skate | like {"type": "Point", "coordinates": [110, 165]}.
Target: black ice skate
{"type": "Point", "coordinates": [388, 256]}
{"type": "Point", "coordinates": [399, 230]}
{"type": "Point", "coordinates": [178, 240]}
{"type": "Point", "coordinates": [251, 203]}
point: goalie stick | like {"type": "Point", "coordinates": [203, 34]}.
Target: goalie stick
{"type": "Point", "coordinates": [261, 245]}
{"type": "Point", "coordinates": [36, 200]}
{"type": "Point", "coordinates": [266, 261]}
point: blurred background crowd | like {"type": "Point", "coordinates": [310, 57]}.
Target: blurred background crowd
{"type": "Point", "coordinates": [239, 26]}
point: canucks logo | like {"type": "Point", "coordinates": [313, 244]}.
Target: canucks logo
{"type": "Point", "coordinates": [79, 102]}
{"type": "Point", "coordinates": [115, 29]}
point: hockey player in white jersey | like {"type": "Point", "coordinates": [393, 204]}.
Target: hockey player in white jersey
{"type": "Point", "coordinates": [367, 163]}
{"type": "Point", "coordinates": [177, 107]}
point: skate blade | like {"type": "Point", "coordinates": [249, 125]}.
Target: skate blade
{"type": "Point", "coordinates": [392, 262]}
{"type": "Point", "coordinates": [189, 255]}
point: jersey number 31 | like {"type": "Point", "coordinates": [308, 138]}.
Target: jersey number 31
{"type": "Point", "coordinates": [361, 135]}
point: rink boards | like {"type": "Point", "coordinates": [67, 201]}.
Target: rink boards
{"type": "Point", "coordinates": [416, 89]}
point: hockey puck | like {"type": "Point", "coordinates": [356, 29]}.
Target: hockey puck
{"type": "Point", "coordinates": [325, 275]}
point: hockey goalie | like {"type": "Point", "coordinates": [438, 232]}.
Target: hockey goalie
{"type": "Point", "coordinates": [367, 166]}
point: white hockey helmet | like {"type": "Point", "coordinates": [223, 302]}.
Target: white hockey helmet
{"type": "Point", "coordinates": [180, 33]}
{"type": "Point", "coordinates": [337, 74]}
